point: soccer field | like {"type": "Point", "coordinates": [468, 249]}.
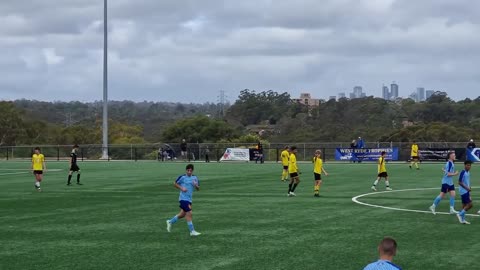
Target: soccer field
{"type": "Point", "coordinates": [116, 220]}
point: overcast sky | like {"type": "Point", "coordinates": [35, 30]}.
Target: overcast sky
{"type": "Point", "coordinates": [189, 50]}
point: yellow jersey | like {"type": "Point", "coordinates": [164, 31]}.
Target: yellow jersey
{"type": "Point", "coordinates": [292, 163]}
{"type": "Point", "coordinates": [414, 152]}
{"type": "Point", "coordinates": [317, 165]}
{"type": "Point", "coordinates": [381, 165]}
{"type": "Point", "coordinates": [284, 155]}
{"type": "Point", "coordinates": [37, 162]}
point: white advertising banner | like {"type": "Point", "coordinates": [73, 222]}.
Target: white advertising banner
{"type": "Point", "coordinates": [236, 154]}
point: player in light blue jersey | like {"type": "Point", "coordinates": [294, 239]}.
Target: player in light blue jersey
{"type": "Point", "coordinates": [464, 187]}
{"type": "Point", "coordinates": [447, 184]}
{"type": "Point", "coordinates": [186, 183]}
{"type": "Point", "coordinates": [387, 250]}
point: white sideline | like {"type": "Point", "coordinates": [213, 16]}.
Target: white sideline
{"type": "Point", "coordinates": [355, 200]}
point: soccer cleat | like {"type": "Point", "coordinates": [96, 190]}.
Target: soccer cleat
{"type": "Point", "coordinates": [169, 226]}
{"type": "Point", "coordinates": [466, 222]}
{"type": "Point", "coordinates": [316, 195]}
{"type": "Point", "coordinates": [452, 211]}
{"type": "Point", "coordinates": [292, 194]}
{"type": "Point", "coordinates": [432, 208]}
{"type": "Point", "coordinates": [410, 166]}
{"type": "Point", "coordinates": [69, 184]}
{"type": "Point", "coordinates": [389, 188]}
{"type": "Point", "coordinates": [478, 212]}
{"type": "Point", "coordinates": [374, 189]}
{"type": "Point", "coordinates": [194, 233]}
{"type": "Point", "coordinates": [460, 218]}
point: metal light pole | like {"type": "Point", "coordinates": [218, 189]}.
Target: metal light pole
{"type": "Point", "coordinates": [105, 84]}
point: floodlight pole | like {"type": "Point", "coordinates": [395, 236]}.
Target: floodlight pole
{"type": "Point", "coordinates": [105, 84]}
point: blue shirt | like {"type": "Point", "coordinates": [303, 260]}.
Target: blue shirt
{"type": "Point", "coordinates": [382, 265]}
{"type": "Point", "coordinates": [449, 168]}
{"type": "Point", "coordinates": [465, 179]}
{"type": "Point", "coordinates": [187, 182]}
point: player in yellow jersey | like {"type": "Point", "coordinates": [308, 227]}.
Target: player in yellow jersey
{"type": "Point", "coordinates": [285, 156]}
{"type": "Point", "coordinates": [414, 155]}
{"type": "Point", "coordinates": [382, 173]}
{"type": "Point", "coordinates": [294, 172]}
{"type": "Point", "coordinates": [317, 172]}
{"type": "Point", "coordinates": [38, 167]}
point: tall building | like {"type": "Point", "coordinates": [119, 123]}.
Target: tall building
{"type": "Point", "coordinates": [306, 99]}
{"type": "Point", "coordinates": [357, 91]}
{"type": "Point", "coordinates": [394, 90]}
{"type": "Point", "coordinates": [341, 95]}
{"type": "Point", "coordinates": [429, 93]}
{"type": "Point", "coordinates": [420, 94]}
{"type": "Point", "coordinates": [385, 93]}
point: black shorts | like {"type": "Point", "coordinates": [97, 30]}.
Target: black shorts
{"type": "Point", "coordinates": [317, 176]}
{"type": "Point", "coordinates": [74, 168]}
{"type": "Point", "coordinates": [415, 158]}
{"type": "Point", "coordinates": [38, 172]}
{"type": "Point", "coordinates": [383, 174]}
{"type": "Point", "coordinates": [285, 167]}
{"type": "Point", "coordinates": [292, 175]}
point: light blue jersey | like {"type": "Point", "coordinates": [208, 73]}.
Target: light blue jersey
{"type": "Point", "coordinates": [187, 182]}
{"type": "Point", "coordinates": [382, 265]}
{"type": "Point", "coordinates": [449, 168]}
{"type": "Point", "coordinates": [465, 179]}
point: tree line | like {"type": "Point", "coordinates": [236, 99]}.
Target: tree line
{"type": "Point", "coordinates": [265, 115]}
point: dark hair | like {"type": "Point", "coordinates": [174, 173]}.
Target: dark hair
{"type": "Point", "coordinates": [468, 162]}
{"type": "Point", "coordinates": [75, 146]}
{"type": "Point", "coordinates": [449, 154]}
{"type": "Point", "coordinates": [383, 153]}
{"type": "Point", "coordinates": [37, 148]}
{"type": "Point", "coordinates": [286, 146]}
{"type": "Point", "coordinates": [388, 246]}
{"type": "Point", "coordinates": [189, 167]}
{"type": "Point", "coordinates": [293, 148]}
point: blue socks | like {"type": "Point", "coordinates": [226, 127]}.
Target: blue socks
{"type": "Point", "coordinates": [190, 226]}
{"type": "Point", "coordinates": [173, 220]}
{"type": "Point", "coordinates": [462, 213]}
{"type": "Point", "coordinates": [437, 200]}
{"type": "Point", "coordinates": [452, 202]}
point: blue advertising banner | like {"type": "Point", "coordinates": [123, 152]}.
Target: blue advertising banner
{"type": "Point", "coordinates": [365, 154]}
{"type": "Point", "coordinates": [473, 154]}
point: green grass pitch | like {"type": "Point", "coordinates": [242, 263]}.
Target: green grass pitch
{"type": "Point", "coordinates": [117, 219]}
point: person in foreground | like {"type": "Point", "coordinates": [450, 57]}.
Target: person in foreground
{"type": "Point", "coordinates": [387, 249]}
{"type": "Point", "coordinates": [464, 187]}
{"type": "Point", "coordinates": [447, 185]}
{"type": "Point", "coordinates": [186, 184]}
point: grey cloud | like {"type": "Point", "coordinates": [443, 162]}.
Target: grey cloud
{"type": "Point", "coordinates": [188, 50]}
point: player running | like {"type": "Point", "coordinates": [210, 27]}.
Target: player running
{"type": "Point", "coordinates": [447, 184]}
{"type": "Point", "coordinates": [186, 183]}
